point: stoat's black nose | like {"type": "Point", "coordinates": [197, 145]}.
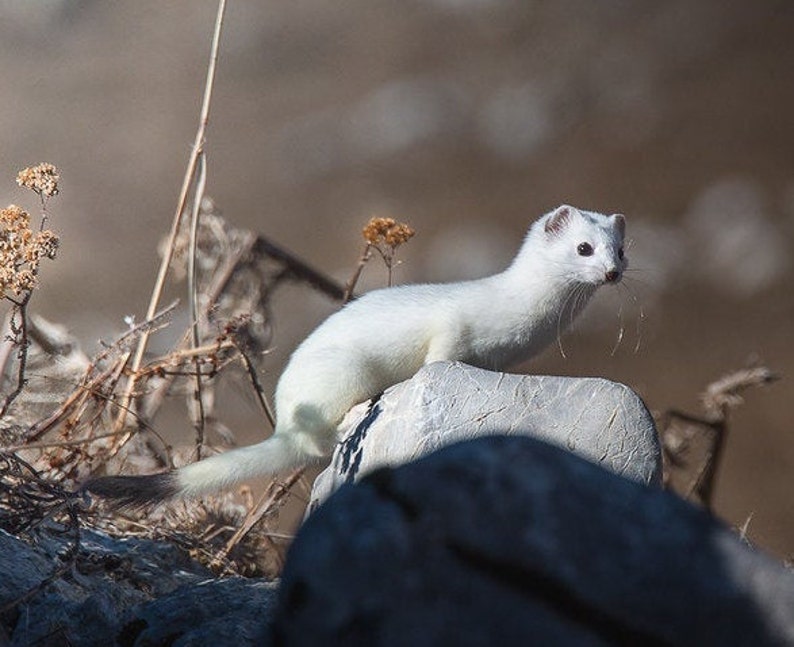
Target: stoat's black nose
{"type": "Point", "coordinates": [612, 276]}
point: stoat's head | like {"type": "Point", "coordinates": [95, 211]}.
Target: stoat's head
{"type": "Point", "coordinates": [584, 246]}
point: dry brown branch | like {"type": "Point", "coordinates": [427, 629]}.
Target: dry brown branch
{"type": "Point", "coordinates": [133, 334]}
{"type": "Point", "coordinates": [350, 287]}
{"type": "Point", "coordinates": [199, 420]}
{"type": "Point", "coordinates": [75, 401]}
{"type": "Point", "coordinates": [693, 445]}
{"type": "Point", "coordinates": [726, 393]}
{"type": "Point", "coordinates": [260, 392]}
{"type": "Point", "coordinates": [298, 269]}
{"type": "Point", "coordinates": [266, 504]}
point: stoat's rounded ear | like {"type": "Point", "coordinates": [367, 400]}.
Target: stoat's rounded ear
{"type": "Point", "coordinates": [558, 220]}
{"type": "Point", "coordinates": [620, 223]}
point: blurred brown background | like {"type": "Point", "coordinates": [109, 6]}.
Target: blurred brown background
{"type": "Point", "coordinates": [468, 119]}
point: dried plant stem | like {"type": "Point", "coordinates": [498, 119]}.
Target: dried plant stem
{"type": "Point", "coordinates": [362, 261]}
{"type": "Point", "coordinates": [226, 272]}
{"type": "Point", "coordinates": [702, 483]}
{"type": "Point", "coordinates": [44, 215]}
{"type": "Point", "coordinates": [199, 420]}
{"type": "Point", "coordinates": [21, 341]}
{"type": "Point", "coordinates": [6, 344]}
{"type": "Point", "coordinates": [388, 261]}
{"type": "Point", "coordinates": [97, 387]}
{"type": "Point", "coordinates": [260, 392]}
{"type": "Point", "coordinates": [74, 401]}
{"type": "Point", "coordinates": [94, 382]}
{"type": "Point", "coordinates": [298, 269]}
{"type": "Point", "coordinates": [60, 443]}
{"type": "Point", "coordinates": [198, 149]}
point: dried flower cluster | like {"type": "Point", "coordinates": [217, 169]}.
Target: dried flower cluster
{"type": "Point", "coordinates": [21, 250]}
{"type": "Point", "coordinates": [384, 236]}
{"type": "Point", "coordinates": [42, 179]}
{"type": "Point", "coordinates": [388, 231]}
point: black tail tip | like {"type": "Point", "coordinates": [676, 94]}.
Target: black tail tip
{"type": "Point", "coordinates": [134, 492]}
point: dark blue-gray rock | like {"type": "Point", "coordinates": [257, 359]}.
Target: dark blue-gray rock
{"type": "Point", "coordinates": [209, 614]}
{"type": "Point", "coordinates": [85, 605]}
{"type": "Point", "coordinates": [123, 591]}
{"type": "Point", "coordinates": [447, 402]}
{"type": "Point", "coordinates": [512, 541]}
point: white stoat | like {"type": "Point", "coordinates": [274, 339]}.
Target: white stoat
{"type": "Point", "coordinates": [385, 337]}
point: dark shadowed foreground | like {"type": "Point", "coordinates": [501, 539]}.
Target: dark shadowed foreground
{"type": "Point", "coordinates": [495, 539]}
{"type": "Point", "coordinates": [511, 540]}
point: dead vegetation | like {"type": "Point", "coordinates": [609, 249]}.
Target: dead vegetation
{"type": "Point", "coordinates": [63, 424]}
{"type": "Point", "coordinates": [66, 415]}
{"type": "Point", "coordinates": [693, 445]}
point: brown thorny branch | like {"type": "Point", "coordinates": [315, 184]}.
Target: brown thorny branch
{"type": "Point", "coordinates": [693, 445]}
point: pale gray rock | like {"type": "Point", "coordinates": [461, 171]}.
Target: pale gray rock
{"type": "Point", "coordinates": [447, 402]}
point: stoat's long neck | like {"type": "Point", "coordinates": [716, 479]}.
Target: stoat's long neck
{"type": "Point", "coordinates": [535, 271]}
{"type": "Point", "coordinates": [523, 309]}
{"type": "Point", "coordinates": [541, 295]}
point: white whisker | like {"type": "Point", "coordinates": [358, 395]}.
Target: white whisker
{"type": "Point", "coordinates": [640, 319]}
{"type": "Point", "coordinates": [621, 331]}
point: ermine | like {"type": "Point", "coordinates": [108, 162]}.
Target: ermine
{"type": "Point", "coordinates": [387, 335]}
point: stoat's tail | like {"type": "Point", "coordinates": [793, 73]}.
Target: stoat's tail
{"type": "Point", "coordinates": [278, 453]}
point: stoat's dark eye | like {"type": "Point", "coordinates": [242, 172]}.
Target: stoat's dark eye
{"type": "Point", "coordinates": [620, 253]}
{"type": "Point", "coordinates": [585, 249]}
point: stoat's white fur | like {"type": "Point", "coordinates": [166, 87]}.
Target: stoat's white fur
{"type": "Point", "coordinates": [385, 336]}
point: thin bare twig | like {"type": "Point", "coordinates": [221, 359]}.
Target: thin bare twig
{"type": "Point", "coordinates": [260, 392]}
{"type": "Point", "coordinates": [60, 443]}
{"type": "Point", "coordinates": [136, 331]}
{"type": "Point", "coordinates": [264, 505]}
{"type": "Point", "coordinates": [20, 337]}
{"type": "Point", "coordinates": [6, 343]}
{"type": "Point", "coordinates": [199, 420]}
{"type": "Point", "coordinates": [92, 381]}
{"type": "Point", "coordinates": [362, 261]}
{"type": "Point", "coordinates": [299, 268]}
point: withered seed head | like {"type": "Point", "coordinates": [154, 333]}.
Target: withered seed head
{"type": "Point", "coordinates": [42, 179]}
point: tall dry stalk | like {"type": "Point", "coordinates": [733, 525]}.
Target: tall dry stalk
{"type": "Point", "coordinates": [196, 153]}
